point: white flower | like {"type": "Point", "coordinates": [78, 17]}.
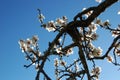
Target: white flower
{"type": "Point", "coordinates": [34, 40]}
{"type": "Point", "coordinates": [98, 21]}
{"type": "Point", "coordinates": [28, 42]}
{"type": "Point", "coordinates": [91, 46]}
{"type": "Point", "coordinates": [96, 70]}
{"type": "Point", "coordinates": [50, 26]}
{"type": "Point", "coordinates": [41, 17]}
{"type": "Point", "coordinates": [59, 39]}
{"type": "Point", "coordinates": [118, 13]}
{"type": "Point", "coordinates": [29, 49]}
{"type": "Point", "coordinates": [97, 52]}
{"type": "Point", "coordinates": [90, 55]}
{"type": "Point", "coordinates": [58, 50]}
{"type": "Point", "coordinates": [93, 27]}
{"type": "Point", "coordinates": [64, 19]}
{"type": "Point", "coordinates": [55, 46]}
{"type": "Point", "coordinates": [69, 51]}
{"type": "Point", "coordinates": [63, 63]}
{"type": "Point", "coordinates": [115, 33]}
{"type": "Point", "coordinates": [109, 58]}
{"type": "Point", "coordinates": [56, 62]}
{"type": "Point", "coordinates": [99, 1]}
{"type": "Point", "coordinates": [23, 45]}
{"type": "Point", "coordinates": [83, 9]}
{"type": "Point", "coordinates": [50, 29]}
{"type": "Point", "coordinates": [87, 14]}
{"type": "Point", "coordinates": [37, 53]}
{"type": "Point", "coordinates": [117, 51]}
{"type": "Point", "coordinates": [60, 22]}
{"type": "Point", "coordinates": [118, 45]}
{"type": "Point", "coordinates": [94, 36]}
{"type": "Point", "coordinates": [106, 23]}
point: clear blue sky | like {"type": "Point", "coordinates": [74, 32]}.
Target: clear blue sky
{"type": "Point", "coordinates": [18, 20]}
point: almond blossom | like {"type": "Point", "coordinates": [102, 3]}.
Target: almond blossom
{"type": "Point", "coordinates": [34, 40]}
{"type": "Point", "coordinates": [56, 62]}
{"type": "Point", "coordinates": [62, 63]}
{"type": "Point", "coordinates": [91, 46]}
{"type": "Point", "coordinates": [109, 58]}
{"type": "Point", "coordinates": [115, 33]}
{"type": "Point", "coordinates": [50, 26]}
{"type": "Point", "coordinates": [106, 23]}
{"type": "Point", "coordinates": [59, 50]}
{"type": "Point", "coordinates": [29, 44]}
{"type": "Point", "coordinates": [65, 18]}
{"type": "Point", "coordinates": [87, 14]}
{"type": "Point", "coordinates": [98, 21]}
{"type": "Point", "coordinates": [61, 22]}
{"type": "Point", "coordinates": [93, 27]}
{"type": "Point", "coordinates": [69, 51]}
{"type": "Point", "coordinates": [117, 48]}
{"type": "Point", "coordinates": [118, 13]}
{"type": "Point", "coordinates": [99, 1]}
{"type": "Point", "coordinates": [97, 52]}
{"type": "Point", "coordinates": [117, 51]}
{"type": "Point", "coordinates": [96, 72]}
{"type": "Point", "coordinates": [22, 45]}
{"type": "Point", "coordinates": [94, 36]}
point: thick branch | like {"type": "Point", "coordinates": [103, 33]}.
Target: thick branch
{"type": "Point", "coordinates": [96, 12]}
{"type": "Point", "coordinates": [84, 62]}
{"type": "Point", "coordinates": [99, 9]}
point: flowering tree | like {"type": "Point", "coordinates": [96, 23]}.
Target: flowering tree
{"type": "Point", "coordinates": [82, 30]}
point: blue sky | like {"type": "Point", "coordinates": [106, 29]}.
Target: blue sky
{"type": "Point", "coordinates": [18, 20]}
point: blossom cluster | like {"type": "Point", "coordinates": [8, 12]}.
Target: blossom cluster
{"type": "Point", "coordinates": [67, 52]}
{"type": "Point", "coordinates": [58, 62]}
{"type": "Point", "coordinates": [116, 47]}
{"type": "Point", "coordinates": [94, 52]}
{"type": "Point", "coordinates": [58, 24]}
{"type": "Point", "coordinates": [106, 24]}
{"type": "Point", "coordinates": [29, 44]}
{"type": "Point", "coordinates": [91, 33]}
{"type": "Point", "coordinates": [96, 72]}
{"type": "Point", "coordinates": [87, 14]}
{"type": "Point", "coordinates": [30, 48]}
